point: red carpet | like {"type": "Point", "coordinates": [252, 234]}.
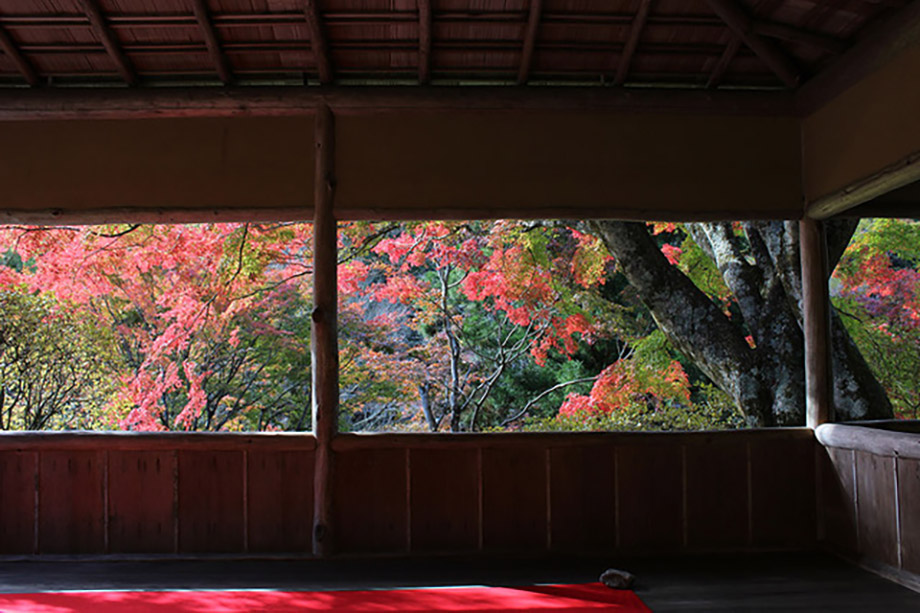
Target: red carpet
{"type": "Point", "coordinates": [589, 597]}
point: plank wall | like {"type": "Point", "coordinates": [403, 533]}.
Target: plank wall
{"type": "Point", "coordinates": [155, 494]}
{"type": "Point", "coordinates": [869, 493]}
{"type": "Point", "coordinates": [408, 494]}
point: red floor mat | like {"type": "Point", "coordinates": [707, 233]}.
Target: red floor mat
{"type": "Point", "coordinates": [588, 597]}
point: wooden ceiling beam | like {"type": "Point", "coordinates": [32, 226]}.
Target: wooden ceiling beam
{"type": "Point", "coordinates": [424, 41]}
{"type": "Point", "coordinates": [635, 33]}
{"type": "Point", "coordinates": [530, 40]}
{"type": "Point", "coordinates": [742, 25]}
{"type": "Point", "coordinates": [118, 103]}
{"type": "Point", "coordinates": [792, 34]}
{"type": "Point", "coordinates": [881, 41]}
{"type": "Point", "coordinates": [108, 39]}
{"type": "Point", "coordinates": [318, 42]}
{"type": "Point", "coordinates": [725, 60]}
{"type": "Point", "coordinates": [22, 63]}
{"type": "Point", "coordinates": [203, 17]}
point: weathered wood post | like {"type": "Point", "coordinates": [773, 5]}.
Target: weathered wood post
{"type": "Point", "coordinates": [817, 329]}
{"type": "Point", "coordinates": [325, 352]}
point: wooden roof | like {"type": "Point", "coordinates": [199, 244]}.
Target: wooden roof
{"type": "Point", "coordinates": [761, 44]}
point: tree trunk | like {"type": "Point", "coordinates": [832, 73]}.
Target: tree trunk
{"type": "Point", "coordinates": [767, 381]}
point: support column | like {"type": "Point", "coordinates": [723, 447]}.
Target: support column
{"type": "Point", "coordinates": [817, 329]}
{"type": "Point", "coordinates": [325, 350]}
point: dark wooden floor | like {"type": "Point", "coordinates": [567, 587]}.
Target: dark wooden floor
{"type": "Point", "coordinates": [774, 582]}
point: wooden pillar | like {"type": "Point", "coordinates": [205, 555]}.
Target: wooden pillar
{"type": "Point", "coordinates": [816, 315]}
{"type": "Point", "coordinates": [324, 335]}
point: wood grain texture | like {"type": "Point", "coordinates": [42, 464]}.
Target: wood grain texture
{"type": "Point", "coordinates": [210, 501]}
{"type": "Point", "coordinates": [816, 323]}
{"type": "Point", "coordinates": [71, 509]}
{"type": "Point", "coordinates": [650, 496]}
{"type": "Point", "coordinates": [837, 494]}
{"type": "Point", "coordinates": [783, 508]}
{"type": "Point", "coordinates": [717, 497]}
{"type": "Point", "coordinates": [583, 499]}
{"type": "Point", "coordinates": [18, 473]}
{"type": "Point", "coordinates": [370, 514]}
{"type": "Point", "coordinates": [280, 501]}
{"type": "Point", "coordinates": [876, 514]}
{"type": "Point", "coordinates": [909, 507]}
{"type": "Point", "coordinates": [514, 499]}
{"type": "Point", "coordinates": [142, 501]}
{"type": "Point", "coordinates": [324, 330]}
{"type": "Point", "coordinates": [444, 499]}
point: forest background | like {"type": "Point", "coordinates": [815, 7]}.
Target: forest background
{"type": "Point", "coordinates": [459, 326]}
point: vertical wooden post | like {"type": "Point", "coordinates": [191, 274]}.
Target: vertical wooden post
{"type": "Point", "coordinates": [817, 329]}
{"type": "Point", "coordinates": [325, 350]}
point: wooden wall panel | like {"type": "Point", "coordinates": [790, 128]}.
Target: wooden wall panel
{"type": "Point", "coordinates": [444, 498]}
{"type": "Point", "coordinates": [142, 501]}
{"type": "Point", "coordinates": [783, 508]}
{"type": "Point", "coordinates": [211, 501]}
{"type": "Point", "coordinates": [280, 499]}
{"type": "Point", "coordinates": [650, 496]}
{"type": "Point", "coordinates": [71, 502]}
{"type": "Point", "coordinates": [871, 126]}
{"type": "Point", "coordinates": [18, 477]}
{"type": "Point", "coordinates": [514, 509]}
{"type": "Point", "coordinates": [371, 506]}
{"type": "Point", "coordinates": [838, 498]}
{"type": "Point", "coordinates": [909, 508]}
{"type": "Point", "coordinates": [162, 164]}
{"type": "Point", "coordinates": [537, 164]}
{"type": "Point", "coordinates": [717, 496]}
{"type": "Point", "coordinates": [583, 498]}
{"type": "Point", "coordinates": [875, 500]}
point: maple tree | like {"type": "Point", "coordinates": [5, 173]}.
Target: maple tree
{"type": "Point", "coordinates": [876, 288]}
{"type": "Point", "coordinates": [461, 326]}
{"type": "Point", "coordinates": [209, 320]}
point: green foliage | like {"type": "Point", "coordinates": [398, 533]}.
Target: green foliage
{"type": "Point", "coordinates": [876, 289]}
{"type": "Point", "coordinates": [55, 366]}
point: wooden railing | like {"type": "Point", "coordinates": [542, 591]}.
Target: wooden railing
{"type": "Point", "coordinates": [869, 490]}
{"type": "Point", "coordinates": [407, 494]}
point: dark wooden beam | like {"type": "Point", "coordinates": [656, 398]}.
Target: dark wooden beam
{"type": "Point", "coordinates": [318, 41]}
{"type": "Point", "coordinates": [635, 32]}
{"type": "Point", "coordinates": [742, 25]}
{"type": "Point", "coordinates": [24, 65]}
{"type": "Point", "coordinates": [203, 17]}
{"type": "Point", "coordinates": [108, 39]}
{"type": "Point", "coordinates": [796, 35]}
{"type": "Point", "coordinates": [530, 40]}
{"type": "Point", "coordinates": [903, 172]}
{"type": "Point", "coordinates": [816, 325]}
{"type": "Point", "coordinates": [424, 41]}
{"type": "Point", "coordinates": [325, 351]}
{"type": "Point", "coordinates": [881, 41]}
{"type": "Point", "coordinates": [725, 60]}
{"type": "Point", "coordinates": [119, 103]}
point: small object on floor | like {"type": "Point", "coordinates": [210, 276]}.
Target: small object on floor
{"type": "Point", "coordinates": [617, 579]}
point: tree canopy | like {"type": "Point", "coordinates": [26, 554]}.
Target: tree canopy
{"type": "Point", "coordinates": [460, 326]}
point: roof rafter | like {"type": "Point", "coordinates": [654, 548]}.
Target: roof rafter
{"type": "Point", "coordinates": [635, 32]}
{"type": "Point", "coordinates": [765, 9]}
{"type": "Point", "coordinates": [318, 41]}
{"type": "Point", "coordinates": [108, 39]}
{"type": "Point", "coordinates": [530, 40]}
{"type": "Point", "coordinates": [24, 65]}
{"type": "Point", "coordinates": [743, 26]}
{"type": "Point", "coordinates": [424, 41]}
{"type": "Point", "coordinates": [797, 35]}
{"type": "Point", "coordinates": [718, 71]}
{"type": "Point", "coordinates": [878, 45]}
{"type": "Point", "coordinates": [203, 17]}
